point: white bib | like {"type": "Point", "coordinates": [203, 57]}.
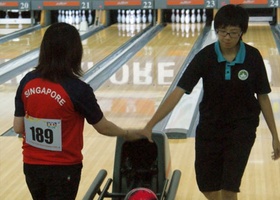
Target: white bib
{"type": "Point", "coordinates": [43, 133]}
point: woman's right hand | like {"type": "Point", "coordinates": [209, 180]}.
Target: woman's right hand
{"type": "Point", "coordinates": [136, 134]}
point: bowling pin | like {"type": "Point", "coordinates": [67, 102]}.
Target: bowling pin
{"type": "Point", "coordinates": [59, 16]}
{"type": "Point", "coordinates": [177, 16]}
{"type": "Point", "coordinates": [84, 16]}
{"type": "Point", "coordinates": [193, 16]}
{"type": "Point", "coordinates": [138, 16]}
{"type": "Point", "coordinates": [80, 15]}
{"type": "Point", "coordinates": [119, 18]}
{"type": "Point", "coordinates": [127, 19]}
{"type": "Point", "coordinates": [77, 20]}
{"type": "Point", "coordinates": [198, 16]}
{"type": "Point", "coordinates": [70, 18]}
{"type": "Point", "coordinates": [84, 24]}
{"type": "Point", "coordinates": [188, 19]}
{"type": "Point", "coordinates": [7, 15]}
{"type": "Point", "coordinates": [89, 17]}
{"type": "Point", "coordinates": [150, 17]}
{"type": "Point", "coordinates": [144, 18]}
{"type": "Point", "coordinates": [204, 15]}
{"type": "Point", "coordinates": [173, 16]}
{"type": "Point", "coordinates": [132, 17]}
{"type": "Point", "coordinates": [19, 15]}
{"type": "Point", "coordinates": [62, 16]}
{"type": "Point", "coordinates": [123, 16]}
{"type": "Point", "coordinates": [67, 16]}
{"type": "Point", "coordinates": [183, 16]}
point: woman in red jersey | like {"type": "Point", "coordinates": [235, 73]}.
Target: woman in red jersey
{"type": "Point", "coordinates": [51, 104]}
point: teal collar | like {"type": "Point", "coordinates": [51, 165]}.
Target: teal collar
{"type": "Point", "coordinates": [239, 59]}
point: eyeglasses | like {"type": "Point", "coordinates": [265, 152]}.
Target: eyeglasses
{"type": "Point", "coordinates": [231, 34]}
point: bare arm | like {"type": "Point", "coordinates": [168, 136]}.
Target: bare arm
{"type": "Point", "coordinates": [108, 128]}
{"type": "Point", "coordinates": [104, 127]}
{"type": "Point", "coordinates": [165, 108]}
{"type": "Point", "coordinates": [269, 118]}
{"type": "Point", "coordinates": [18, 125]}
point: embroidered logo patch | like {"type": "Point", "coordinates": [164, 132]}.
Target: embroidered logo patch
{"type": "Point", "coordinates": [243, 74]}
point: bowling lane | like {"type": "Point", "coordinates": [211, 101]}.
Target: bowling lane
{"type": "Point", "coordinates": [106, 41]}
{"type": "Point", "coordinates": [18, 46]}
{"type": "Point", "coordinates": [6, 29]}
{"type": "Point", "coordinates": [96, 48]}
{"type": "Point", "coordinates": [265, 42]}
{"type": "Point", "coordinates": [28, 42]}
{"type": "Point", "coordinates": [138, 87]}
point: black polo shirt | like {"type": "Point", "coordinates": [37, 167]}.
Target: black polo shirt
{"type": "Point", "coordinates": [229, 88]}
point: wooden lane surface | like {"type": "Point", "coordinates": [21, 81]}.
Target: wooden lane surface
{"type": "Point", "coordinates": [96, 48]}
{"type": "Point", "coordinates": [6, 29]}
{"type": "Point", "coordinates": [18, 46]}
{"type": "Point", "coordinates": [145, 78]}
{"type": "Point", "coordinates": [105, 42]}
{"type": "Point", "coordinates": [99, 150]}
{"type": "Point", "coordinates": [23, 44]}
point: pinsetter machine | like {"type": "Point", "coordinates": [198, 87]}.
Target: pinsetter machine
{"type": "Point", "coordinates": [138, 164]}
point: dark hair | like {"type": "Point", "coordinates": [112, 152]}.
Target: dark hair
{"type": "Point", "coordinates": [60, 53]}
{"type": "Point", "coordinates": [232, 15]}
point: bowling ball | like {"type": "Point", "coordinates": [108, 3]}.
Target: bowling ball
{"type": "Point", "coordinates": [141, 194]}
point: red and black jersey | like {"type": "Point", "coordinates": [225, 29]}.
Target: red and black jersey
{"type": "Point", "coordinates": [69, 101]}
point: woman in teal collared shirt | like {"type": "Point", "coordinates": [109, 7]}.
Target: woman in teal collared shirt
{"type": "Point", "coordinates": [235, 91]}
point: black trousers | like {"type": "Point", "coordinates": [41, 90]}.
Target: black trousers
{"type": "Point", "coordinates": [53, 182]}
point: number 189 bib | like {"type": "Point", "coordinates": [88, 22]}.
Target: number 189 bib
{"type": "Point", "coordinates": [43, 133]}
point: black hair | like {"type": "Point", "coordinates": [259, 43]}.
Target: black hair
{"type": "Point", "coordinates": [232, 15]}
{"type": "Point", "coordinates": [61, 53]}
